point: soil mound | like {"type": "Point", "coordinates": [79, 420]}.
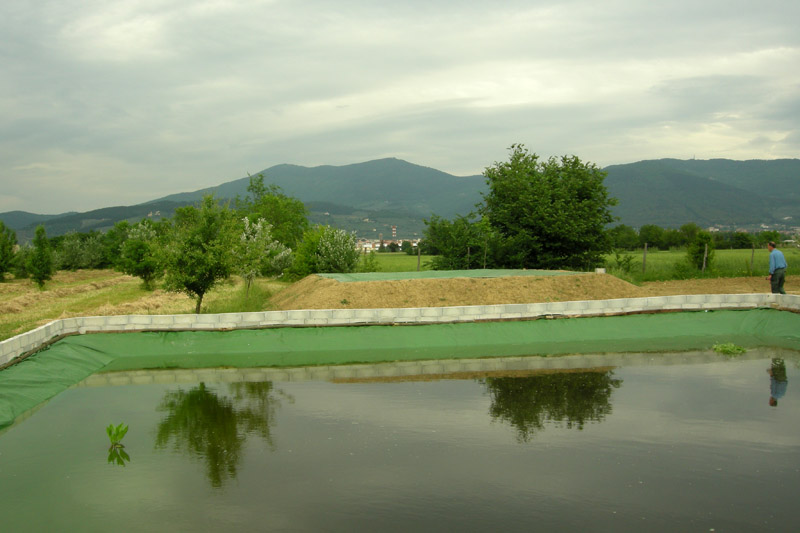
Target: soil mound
{"type": "Point", "coordinates": [315, 292]}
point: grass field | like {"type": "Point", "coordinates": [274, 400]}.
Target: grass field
{"type": "Point", "coordinates": [104, 292]}
{"type": "Point", "coordinates": [400, 262]}
{"type": "Point", "coordinates": [661, 265]}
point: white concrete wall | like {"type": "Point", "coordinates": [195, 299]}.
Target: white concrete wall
{"type": "Point", "coordinates": [33, 340]}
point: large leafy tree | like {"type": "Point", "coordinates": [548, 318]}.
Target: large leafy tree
{"type": "Point", "coordinates": [549, 214]}
{"type": "Point", "coordinates": [196, 254]}
{"type": "Point", "coordinates": [41, 260]}
{"type": "Point", "coordinates": [8, 241]}
{"type": "Point", "coordinates": [286, 215]}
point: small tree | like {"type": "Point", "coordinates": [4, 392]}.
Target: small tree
{"type": "Point", "coordinates": [138, 256]}
{"type": "Point", "coordinates": [112, 243]}
{"type": "Point", "coordinates": [8, 241]}
{"type": "Point", "coordinates": [258, 253]}
{"type": "Point", "coordinates": [461, 244]}
{"type": "Point", "coordinates": [337, 251]}
{"type": "Point", "coordinates": [196, 255]}
{"type": "Point", "coordinates": [696, 252]}
{"type": "Point", "coordinates": [326, 249]}
{"type": "Point", "coordinates": [41, 265]}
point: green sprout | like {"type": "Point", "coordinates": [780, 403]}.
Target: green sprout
{"type": "Point", "coordinates": [115, 435]}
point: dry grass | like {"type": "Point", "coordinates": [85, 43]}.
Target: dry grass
{"type": "Point", "coordinates": [96, 293]}
{"type": "Point", "coordinates": [104, 292]}
{"type": "Point", "coordinates": [315, 292]}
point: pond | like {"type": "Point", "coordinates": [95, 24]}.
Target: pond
{"type": "Point", "coordinates": [645, 442]}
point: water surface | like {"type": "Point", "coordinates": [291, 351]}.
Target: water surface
{"type": "Point", "coordinates": [638, 445]}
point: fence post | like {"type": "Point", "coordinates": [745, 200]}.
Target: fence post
{"type": "Point", "coordinates": [419, 255]}
{"type": "Point", "coordinates": [644, 259]}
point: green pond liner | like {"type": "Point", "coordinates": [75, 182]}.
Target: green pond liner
{"type": "Point", "coordinates": [36, 379]}
{"type": "Point", "coordinates": [444, 274]}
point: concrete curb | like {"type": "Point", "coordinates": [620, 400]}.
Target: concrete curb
{"type": "Point", "coordinates": [31, 341]}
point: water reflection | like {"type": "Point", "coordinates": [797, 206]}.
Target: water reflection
{"type": "Point", "coordinates": [777, 381]}
{"type": "Point", "coordinates": [118, 456]}
{"type": "Point", "coordinates": [570, 398]}
{"type": "Point", "coordinates": [215, 427]}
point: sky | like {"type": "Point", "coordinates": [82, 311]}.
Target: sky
{"type": "Point", "coordinates": [117, 103]}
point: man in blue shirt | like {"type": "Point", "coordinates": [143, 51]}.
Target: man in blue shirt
{"type": "Point", "coordinates": [777, 269]}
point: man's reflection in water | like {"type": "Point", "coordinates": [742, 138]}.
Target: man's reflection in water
{"type": "Point", "coordinates": [777, 381]}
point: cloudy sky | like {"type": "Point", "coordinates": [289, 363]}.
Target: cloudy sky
{"type": "Point", "coordinates": [116, 103]}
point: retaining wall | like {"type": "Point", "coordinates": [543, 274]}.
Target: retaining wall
{"type": "Point", "coordinates": [25, 343]}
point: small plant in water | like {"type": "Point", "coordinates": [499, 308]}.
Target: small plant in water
{"type": "Point", "coordinates": [728, 348]}
{"type": "Point", "coordinates": [115, 435]}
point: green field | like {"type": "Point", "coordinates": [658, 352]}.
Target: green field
{"type": "Point", "coordinates": [660, 265]}
{"type": "Point", "coordinates": [400, 262]}
{"type": "Point", "coordinates": [667, 265]}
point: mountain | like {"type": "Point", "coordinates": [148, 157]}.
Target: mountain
{"type": "Point", "coordinates": [716, 192]}
{"type": "Point", "coordinates": [24, 223]}
{"type": "Point", "coordinates": [381, 184]}
{"type": "Point", "coordinates": [373, 196]}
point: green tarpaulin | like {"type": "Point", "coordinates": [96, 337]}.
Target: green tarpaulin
{"type": "Point", "coordinates": [68, 361]}
{"type": "Point", "coordinates": [444, 274]}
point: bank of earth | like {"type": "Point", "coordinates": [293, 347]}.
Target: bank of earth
{"type": "Point", "coordinates": [316, 292]}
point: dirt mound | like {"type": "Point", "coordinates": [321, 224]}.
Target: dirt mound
{"type": "Point", "coordinates": [315, 292]}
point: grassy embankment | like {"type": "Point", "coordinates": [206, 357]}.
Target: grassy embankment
{"type": "Point", "coordinates": [104, 292]}
{"type": "Point", "coordinates": [24, 307]}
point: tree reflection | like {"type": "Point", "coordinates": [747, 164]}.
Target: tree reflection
{"type": "Point", "coordinates": [571, 398]}
{"type": "Point", "coordinates": [206, 424]}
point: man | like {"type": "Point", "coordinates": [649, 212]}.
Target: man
{"type": "Point", "coordinates": [777, 269]}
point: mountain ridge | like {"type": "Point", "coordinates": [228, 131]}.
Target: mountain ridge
{"type": "Point", "coordinates": [372, 196]}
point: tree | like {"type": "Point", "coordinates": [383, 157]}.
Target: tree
{"type": "Point", "coordinates": [651, 235]}
{"type": "Point", "coordinates": [8, 241]}
{"type": "Point", "coordinates": [196, 255]}
{"type": "Point", "coordinates": [624, 237]}
{"type": "Point", "coordinates": [257, 253]}
{"type": "Point", "coordinates": [461, 244]}
{"type": "Point", "coordinates": [741, 241]}
{"type": "Point", "coordinates": [326, 249]}
{"type": "Point", "coordinates": [689, 232]}
{"type": "Point", "coordinates": [768, 236]}
{"type": "Point", "coordinates": [549, 214]}
{"type": "Point", "coordinates": [41, 265]}
{"type": "Point", "coordinates": [113, 240]}
{"type": "Point", "coordinates": [138, 254]}
{"type": "Point", "coordinates": [286, 215]}
{"type": "Point", "coordinates": [696, 252]}
{"type": "Point", "coordinates": [407, 247]}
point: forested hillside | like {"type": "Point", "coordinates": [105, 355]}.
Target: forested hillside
{"type": "Point", "coordinates": [371, 197]}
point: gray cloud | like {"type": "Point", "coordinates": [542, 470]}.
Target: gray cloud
{"type": "Point", "coordinates": [119, 103]}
